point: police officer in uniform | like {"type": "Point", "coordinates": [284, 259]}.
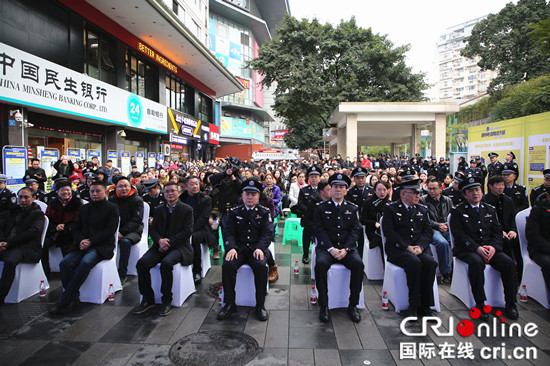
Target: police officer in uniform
{"type": "Point", "coordinates": [442, 169]}
{"type": "Point", "coordinates": [153, 196]}
{"type": "Point", "coordinates": [406, 175]}
{"type": "Point", "coordinates": [84, 190]}
{"type": "Point", "coordinates": [540, 190]}
{"type": "Point", "coordinates": [513, 190]}
{"type": "Point", "coordinates": [33, 185]}
{"type": "Point", "coordinates": [407, 229]}
{"type": "Point", "coordinates": [476, 169]}
{"type": "Point", "coordinates": [8, 201]}
{"type": "Point", "coordinates": [306, 195]}
{"type": "Point", "coordinates": [478, 240]}
{"type": "Point", "coordinates": [337, 227]}
{"type": "Point", "coordinates": [357, 194]}
{"type": "Point", "coordinates": [247, 236]}
{"type": "Point", "coordinates": [537, 232]}
{"type": "Point", "coordinates": [495, 167]}
{"type": "Point", "coordinates": [453, 191]}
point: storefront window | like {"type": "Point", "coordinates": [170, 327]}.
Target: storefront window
{"type": "Point", "coordinates": [99, 52]}
{"type": "Point", "coordinates": [179, 96]}
{"type": "Point", "coordinates": [141, 77]}
{"type": "Point", "coordinates": [205, 108]}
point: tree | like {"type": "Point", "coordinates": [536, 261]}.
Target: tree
{"type": "Point", "coordinates": [314, 67]}
{"type": "Point", "coordinates": [305, 136]}
{"type": "Point", "coordinates": [502, 42]}
{"type": "Point", "coordinates": [540, 35]}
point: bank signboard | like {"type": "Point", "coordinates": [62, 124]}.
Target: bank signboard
{"type": "Point", "coordinates": [32, 81]}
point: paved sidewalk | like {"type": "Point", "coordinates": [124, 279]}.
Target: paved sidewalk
{"type": "Point", "coordinates": [109, 334]}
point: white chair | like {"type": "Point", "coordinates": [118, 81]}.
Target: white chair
{"type": "Point", "coordinates": [372, 258]}
{"type": "Point", "coordinates": [27, 276]}
{"type": "Point", "coordinates": [245, 290]}
{"type": "Point", "coordinates": [205, 260]}
{"type": "Point", "coordinates": [532, 276]}
{"type": "Point", "coordinates": [42, 205]}
{"type": "Point", "coordinates": [182, 287]}
{"type": "Point", "coordinates": [56, 256]}
{"type": "Point", "coordinates": [436, 258]}
{"type": "Point", "coordinates": [460, 285]}
{"type": "Point", "coordinates": [96, 287]}
{"type": "Point", "coordinates": [139, 249]}
{"type": "Point", "coordinates": [338, 278]}
{"type": "Point", "coordinates": [395, 283]}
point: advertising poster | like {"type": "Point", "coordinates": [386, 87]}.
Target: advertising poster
{"type": "Point", "coordinates": [125, 162]}
{"type": "Point", "coordinates": [538, 140]}
{"type": "Point", "coordinates": [113, 155]}
{"type": "Point", "coordinates": [15, 164]}
{"type": "Point", "coordinates": [93, 153]}
{"type": "Point", "coordinates": [243, 128]}
{"type": "Point", "coordinates": [73, 154]}
{"type": "Point", "coordinates": [48, 157]}
{"type": "Point", "coordinates": [151, 160]}
{"type": "Point", "coordinates": [140, 161]}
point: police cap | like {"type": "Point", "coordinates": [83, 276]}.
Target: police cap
{"type": "Point", "coordinates": [413, 184]}
{"type": "Point", "coordinates": [314, 170]}
{"type": "Point", "coordinates": [339, 179]}
{"type": "Point", "coordinates": [470, 182]}
{"type": "Point", "coordinates": [3, 178]}
{"type": "Point", "coordinates": [407, 174]}
{"type": "Point", "coordinates": [359, 172]}
{"type": "Point", "coordinates": [150, 184]}
{"type": "Point", "coordinates": [510, 168]}
{"type": "Point", "coordinates": [493, 155]}
{"type": "Point", "coordinates": [251, 185]}
{"type": "Point", "coordinates": [459, 177]}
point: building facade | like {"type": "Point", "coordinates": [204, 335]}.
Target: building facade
{"type": "Point", "coordinates": [112, 79]}
{"type": "Point", "coordinates": [459, 78]}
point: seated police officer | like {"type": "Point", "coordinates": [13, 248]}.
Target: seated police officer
{"type": "Point", "coordinates": [513, 190]}
{"type": "Point", "coordinates": [407, 229]}
{"type": "Point", "coordinates": [478, 240]}
{"type": "Point", "coordinates": [537, 232]}
{"type": "Point", "coordinates": [33, 185]}
{"type": "Point", "coordinates": [307, 194]}
{"type": "Point", "coordinates": [540, 190]}
{"type": "Point", "coordinates": [170, 231]}
{"type": "Point", "coordinates": [153, 196]}
{"type": "Point", "coordinates": [336, 228]}
{"type": "Point", "coordinates": [453, 191]}
{"type": "Point", "coordinates": [357, 194]}
{"type": "Point", "coordinates": [247, 236]}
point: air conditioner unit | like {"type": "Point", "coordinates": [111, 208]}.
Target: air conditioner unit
{"type": "Point", "coordinates": [166, 149]}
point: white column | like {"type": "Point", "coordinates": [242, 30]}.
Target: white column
{"type": "Point", "coordinates": [439, 135]}
{"type": "Point", "coordinates": [351, 136]}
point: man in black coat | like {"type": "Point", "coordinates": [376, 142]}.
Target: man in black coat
{"type": "Point", "coordinates": [537, 232]}
{"type": "Point", "coordinates": [94, 240]}
{"type": "Point", "coordinates": [513, 190]}
{"type": "Point", "coordinates": [337, 227]}
{"type": "Point", "coordinates": [356, 195]}
{"type": "Point", "coordinates": [247, 237]}
{"type": "Point", "coordinates": [306, 195]}
{"type": "Point", "coordinates": [20, 240]}
{"type": "Point", "coordinates": [540, 190]}
{"type": "Point", "coordinates": [407, 229]}
{"type": "Point", "coordinates": [202, 231]}
{"type": "Point", "coordinates": [453, 191]}
{"type": "Point", "coordinates": [130, 208]}
{"type": "Point", "coordinates": [36, 172]}
{"type": "Point", "coordinates": [171, 232]}
{"type": "Point", "coordinates": [478, 240]}
{"type": "Point", "coordinates": [495, 166]}
{"type": "Point", "coordinates": [8, 201]}
{"type": "Point", "coordinates": [506, 213]}
{"type": "Point", "coordinates": [64, 167]}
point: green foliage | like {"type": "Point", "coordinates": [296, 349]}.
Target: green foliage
{"type": "Point", "coordinates": [304, 136]}
{"type": "Point", "coordinates": [540, 35]}
{"type": "Point", "coordinates": [502, 42]}
{"type": "Point", "coordinates": [480, 110]}
{"type": "Point", "coordinates": [314, 67]}
{"type": "Point", "coordinates": [531, 97]}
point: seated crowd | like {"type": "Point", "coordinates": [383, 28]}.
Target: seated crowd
{"type": "Point", "coordinates": [345, 207]}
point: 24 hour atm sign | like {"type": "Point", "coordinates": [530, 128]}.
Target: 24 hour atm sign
{"type": "Point", "coordinates": [29, 80]}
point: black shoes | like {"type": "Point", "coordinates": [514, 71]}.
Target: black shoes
{"type": "Point", "coordinates": [143, 307]}
{"type": "Point", "coordinates": [197, 278]}
{"type": "Point", "coordinates": [165, 309]}
{"type": "Point", "coordinates": [354, 314]}
{"type": "Point", "coordinates": [411, 311]}
{"type": "Point", "coordinates": [511, 311]}
{"type": "Point", "coordinates": [305, 259]}
{"type": "Point", "coordinates": [446, 280]}
{"type": "Point", "coordinates": [422, 312]}
{"type": "Point", "coordinates": [323, 314]}
{"type": "Point", "coordinates": [227, 311]}
{"type": "Point", "coordinates": [261, 313]}
{"type": "Point", "coordinates": [61, 308]}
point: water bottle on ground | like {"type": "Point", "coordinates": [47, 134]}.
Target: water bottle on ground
{"type": "Point", "coordinates": [385, 301]}
{"type": "Point", "coordinates": [111, 293]}
{"type": "Point", "coordinates": [220, 294]}
{"type": "Point", "coordinates": [296, 268]}
{"type": "Point", "coordinates": [523, 293]}
{"type": "Point", "coordinates": [313, 295]}
{"type": "Point", "coordinates": [42, 288]}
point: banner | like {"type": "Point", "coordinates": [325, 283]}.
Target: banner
{"type": "Point", "coordinates": [140, 161]}
{"type": "Point", "coordinates": [74, 154]}
{"type": "Point", "coordinates": [243, 128]}
{"type": "Point", "coordinates": [151, 160]}
{"type": "Point", "coordinates": [93, 153]}
{"type": "Point", "coordinates": [32, 81]}
{"type": "Point", "coordinates": [48, 157]}
{"type": "Point", "coordinates": [125, 162]}
{"type": "Point", "coordinates": [214, 134]}
{"type": "Point", "coordinates": [113, 155]}
{"type": "Point", "coordinates": [14, 160]}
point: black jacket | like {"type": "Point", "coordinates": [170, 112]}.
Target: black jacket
{"type": "Point", "coordinates": [63, 170]}
{"type": "Point", "coordinates": [506, 212]}
{"type": "Point", "coordinates": [97, 221]}
{"type": "Point", "coordinates": [518, 195]}
{"type": "Point", "coordinates": [403, 228]}
{"type": "Point", "coordinates": [333, 229]}
{"type": "Point", "coordinates": [201, 215]}
{"type": "Point", "coordinates": [472, 230]}
{"type": "Point", "coordinates": [31, 173]}
{"type": "Point", "coordinates": [248, 230]}
{"type": "Point", "coordinates": [306, 194]}
{"type": "Point", "coordinates": [177, 227]}
{"type": "Point", "coordinates": [437, 217]}
{"type": "Point", "coordinates": [537, 229]}
{"type": "Point", "coordinates": [230, 190]}
{"type": "Point", "coordinates": [130, 209]}
{"type": "Point", "coordinates": [24, 230]}
{"type": "Point", "coordinates": [371, 213]}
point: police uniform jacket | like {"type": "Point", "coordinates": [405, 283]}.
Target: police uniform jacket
{"type": "Point", "coordinates": [177, 226]}
{"type": "Point", "coordinates": [307, 219]}
{"type": "Point", "coordinates": [84, 192]}
{"type": "Point", "coordinates": [24, 230]}
{"type": "Point", "coordinates": [506, 212]}
{"type": "Point", "coordinates": [403, 228]}
{"type": "Point", "coordinates": [356, 196]}
{"type": "Point", "coordinates": [248, 229]}
{"type": "Point", "coordinates": [537, 230]}
{"type": "Point", "coordinates": [535, 193]}
{"type": "Point", "coordinates": [442, 170]}
{"type": "Point", "coordinates": [230, 190]}
{"type": "Point", "coordinates": [8, 202]}
{"type": "Point", "coordinates": [518, 196]}
{"type": "Point", "coordinates": [336, 228]}
{"type": "Point", "coordinates": [454, 195]}
{"type": "Point", "coordinates": [305, 195]}
{"type": "Point", "coordinates": [437, 213]}
{"type": "Point", "coordinates": [371, 212]}
{"type": "Point", "coordinates": [495, 169]}
{"type": "Point", "coordinates": [154, 202]}
{"type": "Point", "coordinates": [472, 230]}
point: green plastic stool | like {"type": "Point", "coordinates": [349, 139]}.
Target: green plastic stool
{"type": "Point", "coordinates": [220, 242]}
{"type": "Point", "coordinates": [276, 221]}
{"type": "Point", "coordinates": [292, 230]}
